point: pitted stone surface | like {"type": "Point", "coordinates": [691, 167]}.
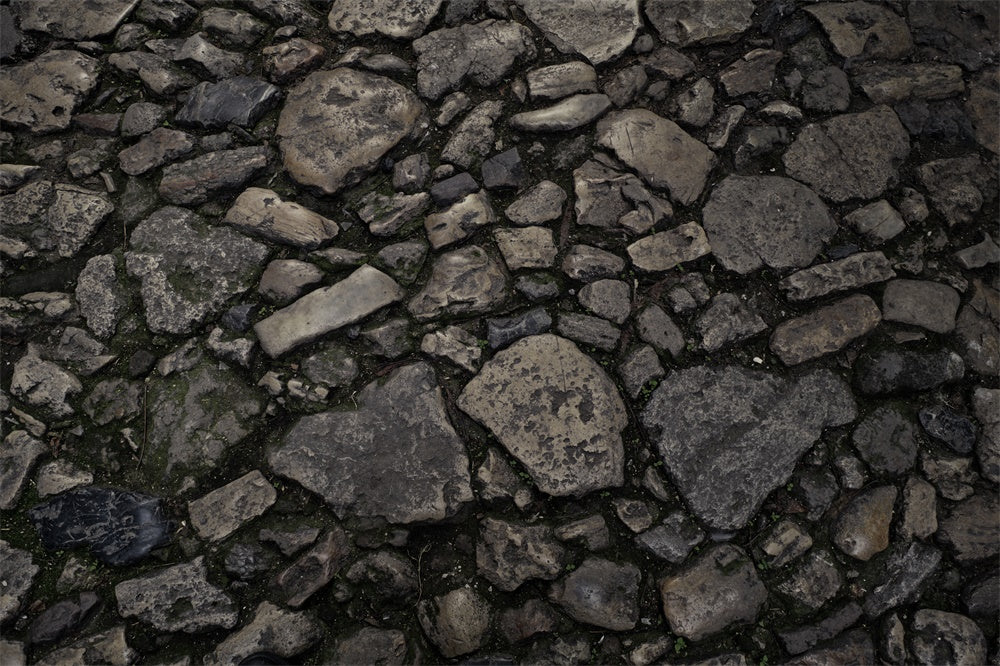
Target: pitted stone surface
{"type": "Point", "coordinates": [571, 25]}
{"type": "Point", "coordinates": [42, 95]}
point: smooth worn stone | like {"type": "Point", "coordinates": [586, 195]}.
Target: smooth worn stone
{"type": "Point", "coordinates": [667, 249]}
{"type": "Point", "coordinates": [600, 593]}
{"type": "Point", "coordinates": [587, 330]}
{"type": "Point", "coordinates": [501, 331]}
{"type": "Point", "coordinates": [607, 198]}
{"type": "Point", "coordinates": [473, 139]}
{"type": "Point", "coordinates": [57, 219]}
{"type": "Point", "coordinates": [640, 368]}
{"type": "Point", "coordinates": [17, 460]}
{"type": "Point", "coordinates": [586, 263]}
{"type": "Point", "coordinates": [368, 644]}
{"type": "Point", "coordinates": [460, 220]}
{"type": "Point", "coordinates": [813, 581]}
{"type": "Point", "coordinates": [887, 441]}
{"type": "Point", "coordinates": [177, 598]}
{"type": "Point", "coordinates": [824, 330]}
{"type": "Point", "coordinates": [599, 31]}
{"type": "Point", "coordinates": [224, 510]}
{"type": "Point", "coordinates": [261, 212]}
{"type": "Point", "coordinates": [919, 509]}
{"type": "Point", "coordinates": [958, 187]}
{"type": "Point", "coordinates": [363, 292]}
{"type": "Point", "coordinates": [118, 526]}
{"type": "Point", "coordinates": [826, 89]}
{"type": "Point", "coordinates": [857, 270]}
{"type": "Point", "coordinates": [450, 190]}
{"type": "Point", "coordinates": [690, 22]}
{"type": "Point", "coordinates": [382, 17]}
{"type": "Point", "coordinates": [241, 100]}
{"type": "Point", "coordinates": [62, 619]}
{"type": "Point", "coordinates": [567, 114]}
{"type": "Point", "coordinates": [719, 590]}
{"type": "Point", "coordinates": [464, 281]}
{"type": "Point", "coordinates": [60, 475]}
{"type": "Point", "coordinates": [286, 61]}
{"type": "Point", "coordinates": [753, 221]}
{"type": "Point", "coordinates": [610, 299]}
{"type": "Point", "coordinates": [981, 254]}
{"type": "Point", "coordinates": [173, 244]}
{"type": "Point", "coordinates": [893, 83]}
{"type": "Point", "coordinates": [853, 155]}
{"type": "Point", "coordinates": [481, 53]}
{"type": "Point", "coordinates": [503, 171]}
{"type": "Point", "coordinates": [673, 539]}
{"type": "Point", "coordinates": [753, 73]}
{"type": "Point", "coordinates": [406, 411]}
{"type": "Point", "coordinates": [863, 28]}
{"type": "Point", "coordinates": [969, 528]}
{"type": "Point", "coordinates": [457, 622]}
{"type": "Point", "coordinates": [562, 80]}
{"type": "Point", "coordinates": [555, 410]}
{"type": "Point", "coordinates": [90, 21]}
{"type": "Point", "coordinates": [42, 94]}
{"type": "Point", "coordinates": [862, 528]}
{"type": "Point", "coordinates": [17, 571]}
{"type": "Point", "coordinates": [526, 247]}
{"type": "Point", "coordinates": [334, 144]}
{"type": "Point", "coordinates": [285, 279]}
{"type": "Point", "coordinates": [727, 320]}
{"type": "Point", "coordinates": [387, 215]}
{"type": "Point", "coordinates": [939, 637]}
{"type": "Point", "coordinates": [907, 571]}
{"type": "Point", "coordinates": [159, 147]}
{"type": "Point", "coordinates": [923, 303]}
{"type": "Point", "coordinates": [657, 328]}
{"type": "Point", "coordinates": [986, 403]}
{"type": "Point", "coordinates": [715, 430]}
{"type": "Point", "coordinates": [203, 178]}
{"type": "Point", "coordinates": [800, 639]}
{"type": "Point", "coordinates": [232, 27]}
{"type": "Point", "coordinates": [892, 371]}
{"type": "Point", "coordinates": [314, 569]}
{"type": "Point", "coordinates": [40, 383]}
{"type": "Point", "coordinates": [272, 629]}
{"type": "Point", "coordinates": [695, 106]}
{"type": "Point", "coordinates": [158, 75]}
{"type": "Point", "coordinates": [509, 554]}
{"type": "Point", "coordinates": [665, 156]}
{"type": "Point", "coordinates": [454, 344]}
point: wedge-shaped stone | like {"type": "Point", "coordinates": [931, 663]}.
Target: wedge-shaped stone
{"type": "Point", "coordinates": [395, 456]}
{"type": "Point", "coordinates": [893, 83]}
{"type": "Point", "coordinates": [555, 410]}
{"type": "Point", "coordinates": [863, 28]}
{"type": "Point", "coordinates": [460, 220]}
{"type": "Point", "coordinates": [568, 114]}
{"type": "Point", "coordinates": [599, 30]}
{"type": "Point", "coordinates": [87, 20]}
{"type": "Point", "coordinates": [465, 281]}
{"type": "Point", "coordinates": [566, 78]}
{"type": "Point", "coordinates": [261, 212]}
{"type": "Point", "coordinates": [664, 250]}
{"type": "Point", "coordinates": [224, 510]}
{"type": "Point", "coordinates": [855, 271]}
{"type": "Point", "coordinates": [824, 330]}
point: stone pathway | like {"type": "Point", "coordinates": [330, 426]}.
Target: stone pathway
{"type": "Point", "coordinates": [499, 331]}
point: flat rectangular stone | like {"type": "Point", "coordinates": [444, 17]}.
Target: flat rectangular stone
{"type": "Point", "coordinates": [224, 510]}
{"type": "Point", "coordinates": [824, 330]}
{"type": "Point", "coordinates": [666, 249]}
{"type": "Point", "coordinates": [855, 271]}
{"type": "Point", "coordinates": [363, 292]}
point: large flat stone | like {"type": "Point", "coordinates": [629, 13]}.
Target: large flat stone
{"type": "Point", "coordinates": [666, 249]}
{"type": "Point", "coordinates": [261, 212]}
{"type": "Point", "coordinates": [687, 22]}
{"type": "Point", "coordinates": [555, 410]}
{"type": "Point", "coordinates": [824, 330]}
{"type": "Point", "coordinates": [41, 95]}
{"type": "Point", "coordinates": [598, 30]}
{"type": "Point", "coordinates": [857, 270]}
{"type": "Point", "coordinates": [86, 21]}
{"type": "Point", "coordinates": [863, 28]}
{"type": "Point", "coordinates": [465, 281]}
{"type": "Point", "coordinates": [389, 18]}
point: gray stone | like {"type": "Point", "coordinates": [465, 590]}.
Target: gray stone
{"type": "Point", "coordinates": [558, 81]}
{"type": "Point", "coordinates": [403, 260]}
{"type": "Point", "coordinates": [17, 460]}
{"type": "Point", "coordinates": [480, 53]}
{"type": "Point", "coordinates": [857, 270]}
{"type": "Point", "coordinates": [952, 476]}
{"type": "Point", "coordinates": [635, 514]}
{"type": "Point", "coordinates": [231, 26]}
{"type": "Point", "coordinates": [410, 174]}
{"type": "Point", "coordinates": [455, 344]}
{"type": "Point", "coordinates": [287, 60]}
{"type": "Point", "coordinates": [981, 254]}
{"type": "Point", "coordinates": [939, 637]}
{"type": "Point", "coordinates": [527, 247]}
{"type": "Point", "coordinates": [90, 21]}
{"type": "Point", "coordinates": [241, 100]}
{"type": "Point", "coordinates": [826, 89]}
{"type": "Point", "coordinates": [891, 83]}
{"type": "Point", "coordinates": [363, 292]}
{"type": "Point", "coordinates": [958, 186]}
{"type": "Point", "coordinates": [813, 581]}
{"type": "Point", "coordinates": [555, 410]}
{"type": "Point", "coordinates": [368, 644]}
{"type": "Point", "coordinates": [159, 147]}
{"type": "Point", "coordinates": [465, 281]}
{"type": "Point", "coordinates": [727, 320]}
{"type": "Point", "coordinates": [224, 510]}
{"type": "Point", "coordinates": [173, 244]}
{"type": "Point", "coordinates": [969, 528]}
{"type": "Point", "coordinates": [394, 575]}
{"type": "Point", "coordinates": [695, 105]}
{"type": "Point", "coordinates": [42, 94]}
{"type": "Point", "coordinates": [887, 441]}
{"type": "Point", "coordinates": [668, 63]}
{"type": "Point", "coordinates": [586, 263]}
{"type": "Point", "coordinates": [986, 403]}
{"type": "Point", "coordinates": [203, 178]}
{"type": "Point", "coordinates": [853, 155]}
{"type": "Point", "coordinates": [567, 114]}
{"type": "Point", "coordinates": [923, 303]}
{"type": "Point", "coordinates": [730, 436]}
{"type": "Point", "coordinates": [17, 571]}
{"type": "Point", "coordinates": [853, 647]}
{"type": "Point", "coordinates": [460, 220]}
{"type": "Point", "coordinates": [607, 198]}
{"type": "Point", "coordinates": [861, 530]}
{"type": "Point", "coordinates": [800, 639]}
{"type": "Point", "coordinates": [261, 212]}
{"type": "Point", "coordinates": [657, 328]}
{"type": "Point", "coordinates": [611, 299]}
{"type": "Point", "coordinates": [825, 330]}
{"type": "Point", "coordinates": [170, 15]}
{"type": "Point", "coordinates": [509, 554]}
{"type": "Point", "coordinates": [497, 481]}
{"type": "Point", "coordinates": [950, 427]}
{"type": "Point", "coordinates": [673, 539]}
{"type": "Point", "coordinates": [625, 85]}
{"type": "Point", "coordinates": [862, 28]}
{"type": "Point", "coordinates": [503, 171]}
{"type": "Point", "coordinates": [108, 647]}
{"type": "Point", "coordinates": [453, 104]}
{"type": "Point", "coordinates": [156, 72]}
{"type": "Point", "coordinates": [314, 569]}
{"type": "Point", "coordinates": [667, 249]}
{"type": "Point", "coordinates": [753, 73]}
{"type": "Point", "coordinates": [473, 138]}
{"type": "Point", "coordinates": [40, 383]}
{"type": "Point", "coordinates": [335, 144]}
{"type": "Point", "coordinates": [785, 542]}
{"type": "Point", "coordinates": [719, 590]}
{"type": "Point", "coordinates": [978, 329]}
{"type": "Point", "coordinates": [892, 371]}
{"type": "Point", "coordinates": [541, 203]}
{"type": "Point", "coordinates": [663, 154]}
{"type": "Point", "coordinates": [531, 618]}
{"type": "Point", "coordinates": [284, 280]}
{"type": "Point", "coordinates": [906, 572]}
{"type": "Point", "coordinates": [387, 215]}
{"type": "Point", "coordinates": [501, 331]}
{"type": "Point", "coordinates": [272, 629]}
{"type": "Point", "coordinates": [919, 509]}
{"type": "Point", "coordinates": [587, 330]}
{"type": "Point", "coordinates": [59, 476]}
{"type": "Point", "coordinates": [382, 17]}
{"type": "Point", "coordinates": [691, 22]}
{"type": "Point", "coordinates": [62, 618]}
{"type": "Point", "coordinates": [599, 31]}
{"type": "Point", "coordinates": [177, 598]}
{"type": "Point", "coordinates": [601, 593]}
{"type": "Point", "coordinates": [639, 368]}
{"type": "Point", "coordinates": [56, 219]}
{"type": "Point", "coordinates": [753, 221]}
{"type": "Point", "coordinates": [457, 622]}
{"type": "Point", "coordinates": [142, 117]}
{"type": "Point", "coordinates": [406, 411]}
{"type": "Point", "coordinates": [449, 190]}
{"type": "Point", "coordinates": [591, 531]}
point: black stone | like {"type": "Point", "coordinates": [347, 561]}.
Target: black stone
{"type": "Point", "coordinates": [758, 141]}
{"type": "Point", "coordinates": [141, 363]}
{"type": "Point", "coordinates": [503, 171]}
{"type": "Point", "coordinates": [950, 427]}
{"type": "Point", "coordinates": [119, 526]}
{"type": "Point", "coordinates": [501, 331]}
{"type": "Point", "coordinates": [63, 618]}
{"type": "Point", "coordinates": [450, 190]}
{"type": "Point", "coordinates": [906, 570]}
{"type": "Point", "coordinates": [241, 100]}
{"type": "Point", "coordinates": [10, 38]}
{"type": "Point", "coordinates": [247, 561]}
{"type": "Point", "coordinates": [169, 15]}
{"type": "Point", "coordinates": [892, 371]}
{"type": "Point", "coordinates": [943, 121]}
{"type": "Point", "coordinates": [239, 317]}
{"type": "Point", "coordinates": [538, 287]}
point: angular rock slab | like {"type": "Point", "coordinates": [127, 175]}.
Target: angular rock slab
{"type": "Point", "coordinates": [361, 293]}
{"type": "Point", "coordinates": [599, 31]}
{"type": "Point", "coordinates": [120, 527]}
{"type": "Point", "coordinates": [261, 212]}
{"type": "Point", "coordinates": [272, 629]}
{"type": "Point", "coordinates": [177, 598]}
{"type": "Point", "coordinates": [465, 281]}
{"type": "Point", "coordinates": [729, 436]}
{"type": "Point", "coordinates": [337, 124]}
{"type": "Point", "coordinates": [42, 94]}
{"type": "Point", "coordinates": [555, 410]}
{"type": "Point", "coordinates": [389, 18]}
{"type": "Point", "coordinates": [824, 330]}
{"type": "Point", "coordinates": [18, 572]}
{"type": "Point", "coordinates": [57, 219]}
{"type": "Point", "coordinates": [686, 22]}
{"type": "Point", "coordinates": [241, 100]}
{"type": "Point", "coordinates": [854, 155]}
{"type": "Point", "coordinates": [396, 456]}
{"type": "Point", "coordinates": [857, 28]}
{"type": "Point", "coordinates": [188, 269]}
{"type": "Point", "coordinates": [224, 510]}
{"type": "Point", "coordinates": [601, 593]}
{"type": "Point", "coordinates": [508, 554]}
{"type": "Point", "coordinates": [752, 221]}
{"type": "Point", "coordinates": [666, 249]}
{"type": "Point", "coordinates": [665, 156]}
{"type": "Point", "coordinates": [87, 20]}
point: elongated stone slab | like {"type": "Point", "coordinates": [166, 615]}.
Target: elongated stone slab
{"type": "Point", "coordinates": [855, 271]}
{"type": "Point", "coordinates": [261, 212]}
{"type": "Point", "coordinates": [824, 330]}
{"type": "Point", "coordinates": [664, 250]}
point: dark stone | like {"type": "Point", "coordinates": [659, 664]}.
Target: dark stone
{"type": "Point", "coordinates": [970, 528]}
{"type": "Point", "coordinates": [141, 363]}
{"type": "Point", "coordinates": [817, 488]}
{"type": "Point", "coordinates": [944, 121]}
{"type": "Point", "coordinates": [887, 441]}
{"type": "Point", "coordinates": [952, 428]}
{"type": "Point", "coordinates": [503, 171]}
{"type": "Point", "coordinates": [756, 142]}
{"type": "Point", "coordinates": [241, 100]}
{"type": "Point", "coordinates": [906, 570]}
{"type": "Point", "coordinates": [501, 331]}
{"type": "Point", "coordinates": [854, 647]}
{"type": "Point", "coordinates": [239, 317]}
{"type": "Point", "coordinates": [63, 618]}
{"type": "Point", "coordinates": [314, 569]}
{"type": "Point", "coordinates": [800, 639]}
{"type": "Point", "coordinates": [168, 15]}
{"type": "Point", "coordinates": [537, 287]}
{"type": "Point", "coordinates": [892, 371]}
{"type": "Point", "coordinates": [247, 561]}
{"type": "Point", "coordinates": [203, 178]}
{"type": "Point", "coordinates": [10, 37]}
{"type": "Point", "coordinates": [120, 527]}
{"type": "Point", "coordinates": [450, 190]}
